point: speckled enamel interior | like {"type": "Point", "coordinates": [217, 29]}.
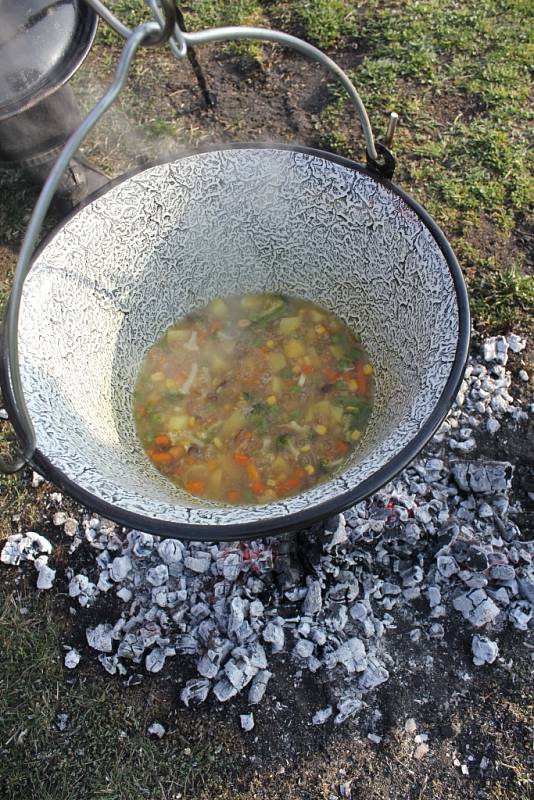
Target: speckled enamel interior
{"type": "Point", "coordinates": [168, 240]}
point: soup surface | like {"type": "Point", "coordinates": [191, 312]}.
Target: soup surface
{"type": "Point", "coordinates": [253, 398]}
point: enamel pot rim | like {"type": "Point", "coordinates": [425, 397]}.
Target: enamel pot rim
{"type": "Point", "coordinates": [304, 518]}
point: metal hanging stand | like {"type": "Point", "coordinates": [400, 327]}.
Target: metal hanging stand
{"type": "Point", "coordinates": [164, 29]}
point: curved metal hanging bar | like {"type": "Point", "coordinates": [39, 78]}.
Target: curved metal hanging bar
{"type": "Point", "coordinates": [13, 384]}
{"type": "Point", "coordinates": [163, 10]}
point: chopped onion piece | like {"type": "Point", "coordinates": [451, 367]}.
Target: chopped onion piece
{"type": "Point", "coordinates": [185, 388]}
{"type": "Point", "coordinates": [192, 343]}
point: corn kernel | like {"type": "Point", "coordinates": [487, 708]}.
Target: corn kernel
{"type": "Point", "coordinates": [353, 386]}
{"type": "Point", "coordinates": [296, 369]}
{"type": "Point", "coordinates": [320, 429]}
{"type": "Point", "coordinates": [320, 329]}
{"type": "Point", "coordinates": [217, 442]}
{"type": "Point", "coordinates": [243, 323]}
{"type": "Point", "coordinates": [367, 369]}
{"type": "Point", "coordinates": [356, 436]}
{"type": "Point", "coordinates": [305, 449]}
{"type": "Point", "coordinates": [271, 400]}
{"type": "Point", "coordinates": [157, 376]}
{"type": "Point", "coordinates": [170, 384]}
{"type": "Point", "coordinates": [192, 421]}
{"type": "Point", "coordinates": [269, 343]}
{"type": "Point", "coordinates": [270, 482]}
{"type": "Point", "coordinates": [309, 469]}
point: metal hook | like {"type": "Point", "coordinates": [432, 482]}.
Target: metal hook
{"type": "Point", "coordinates": [164, 10]}
{"type": "Point", "coordinates": [391, 128]}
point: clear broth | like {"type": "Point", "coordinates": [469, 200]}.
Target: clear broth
{"type": "Point", "coordinates": [253, 398]}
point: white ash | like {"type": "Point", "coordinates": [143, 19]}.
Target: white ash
{"type": "Point", "coordinates": [72, 658]}
{"type": "Point", "coordinates": [155, 660]}
{"type": "Point", "coordinates": [112, 665]}
{"type": "Point", "coordinates": [195, 691]}
{"type": "Point", "coordinates": [157, 730]}
{"type": "Point", "coordinates": [477, 607]}
{"type": "Point", "coordinates": [70, 526]}
{"type": "Point", "coordinates": [99, 638]}
{"type": "Point", "coordinates": [45, 574]}
{"type": "Point", "coordinates": [62, 721]}
{"type": "Point", "coordinates": [484, 650]}
{"type": "Point", "coordinates": [347, 707]}
{"type": "Point", "coordinates": [258, 686]}
{"type": "Point", "coordinates": [247, 721]}
{"type": "Point", "coordinates": [119, 568]}
{"type": "Point", "coordinates": [421, 750]}
{"type": "Point", "coordinates": [438, 543]}
{"type": "Point", "coordinates": [37, 479]}
{"type": "Point", "coordinates": [24, 547]}
{"type": "Point", "coordinates": [321, 716]}
{"type": "Point", "coordinates": [83, 589]}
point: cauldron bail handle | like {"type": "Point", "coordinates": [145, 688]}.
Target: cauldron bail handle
{"type": "Point", "coordinates": [10, 372]}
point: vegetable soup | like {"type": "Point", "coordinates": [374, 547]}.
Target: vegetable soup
{"type": "Point", "coordinates": [253, 398]}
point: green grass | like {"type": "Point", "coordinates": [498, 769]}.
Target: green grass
{"type": "Point", "coordinates": [458, 74]}
{"type": "Point", "coordinates": [502, 298]}
{"type": "Point", "coordinates": [105, 752]}
{"type": "Point", "coordinates": [198, 15]}
{"type": "Point", "coordinates": [129, 12]}
{"type": "Point", "coordinates": [325, 22]}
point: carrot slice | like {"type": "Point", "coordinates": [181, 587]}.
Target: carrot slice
{"type": "Point", "coordinates": [233, 496]}
{"type": "Point", "coordinates": [241, 458]}
{"type": "Point", "coordinates": [331, 375]}
{"type": "Point", "coordinates": [291, 484]}
{"type": "Point", "coordinates": [195, 487]}
{"type": "Point", "coordinates": [257, 487]}
{"type": "Point", "coordinates": [162, 458]}
{"type": "Point", "coordinates": [177, 451]}
{"type": "Point", "coordinates": [162, 441]}
{"type": "Point", "coordinates": [252, 471]}
{"type": "Point", "coordinates": [362, 380]}
{"type": "Point", "coordinates": [342, 447]}
{"type": "Point", "coordinates": [307, 369]}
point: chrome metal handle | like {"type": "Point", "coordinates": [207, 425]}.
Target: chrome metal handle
{"type": "Point", "coordinates": [12, 384]}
